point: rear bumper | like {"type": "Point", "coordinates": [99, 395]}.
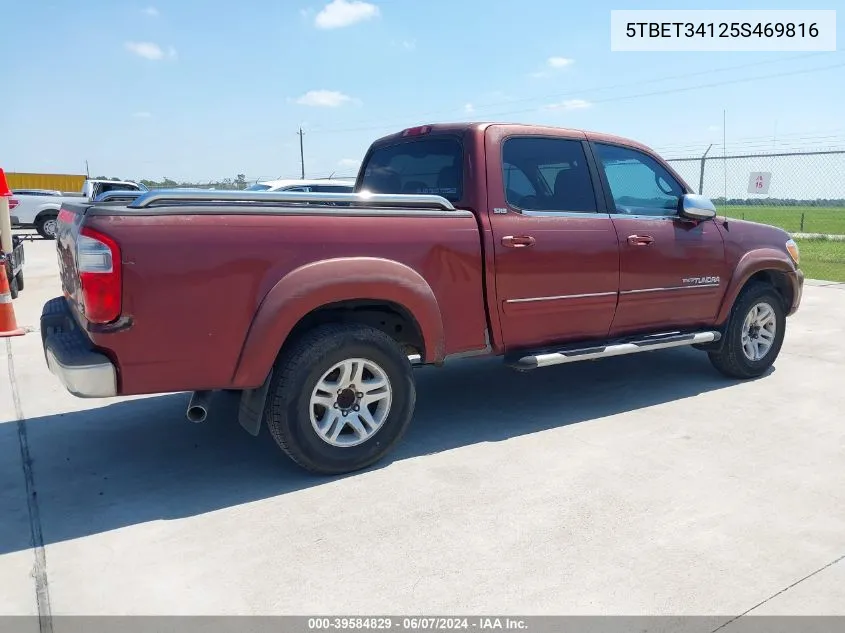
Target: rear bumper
{"type": "Point", "coordinates": [15, 220]}
{"type": "Point", "coordinates": [70, 356]}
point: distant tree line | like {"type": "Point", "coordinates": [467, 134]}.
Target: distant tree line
{"type": "Point", "coordinates": [779, 202]}
{"type": "Point", "coordinates": [239, 182]}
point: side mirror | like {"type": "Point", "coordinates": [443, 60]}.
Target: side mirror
{"type": "Point", "coordinates": [696, 207]}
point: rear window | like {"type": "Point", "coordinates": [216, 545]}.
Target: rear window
{"type": "Point", "coordinates": [257, 187]}
{"type": "Point", "coordinates": [425, 166]}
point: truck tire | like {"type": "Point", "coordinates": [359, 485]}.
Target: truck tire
{"type": "Point", "coordinates": [13, 280]}
{"type": "Point", "coordinates": [46, 225]}
{"type": "Point", "coordinates": [754, 334]}
{"type": "Point", "coordinates": [13, 287]}
{"type": "Point", "coordinates": [317, 413]}
{"type": "Point", "coordinates": [19, 279]}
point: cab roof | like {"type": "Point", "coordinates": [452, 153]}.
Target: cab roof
{"type": "Point", "coordinates": [479, 127]}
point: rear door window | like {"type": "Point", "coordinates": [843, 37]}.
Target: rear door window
{"type": "Point", "coordinates": [431, 166]}
{"type": "Point", "coordinates": [547, 174]}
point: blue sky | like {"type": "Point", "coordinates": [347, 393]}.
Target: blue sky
{"type": "Point", "coordinates": [208, 90]}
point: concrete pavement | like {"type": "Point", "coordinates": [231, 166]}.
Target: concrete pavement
{"type": "Point", "coordinates": [639, 485]}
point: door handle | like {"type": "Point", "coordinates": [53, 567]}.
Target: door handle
{"type": "Point", "coordinates": [518, 241]}
{"type": "Point", "coordinates": [640, 240]}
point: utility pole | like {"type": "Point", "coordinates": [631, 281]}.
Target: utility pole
{"type": "Point", "coordinates": [725, 151]}
{"type": "Point", "coordinates": [301, 153]}
{"type": "Point", "coordinates": [87, 173]}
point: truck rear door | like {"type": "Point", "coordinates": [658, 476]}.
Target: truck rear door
{"type": "Point", "coordinates": [555, 246]}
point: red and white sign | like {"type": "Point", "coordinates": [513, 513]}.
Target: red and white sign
{"type": "Point", "coordinates": [759, 182]}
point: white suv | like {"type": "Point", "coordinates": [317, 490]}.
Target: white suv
{"type": "Point", "coordinates": [327, 185]}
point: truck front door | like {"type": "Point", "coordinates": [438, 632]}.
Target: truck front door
{"type": "Point", "coordinates": [673, 270]}
{"type": "Point", "coordinates": [556, 251]}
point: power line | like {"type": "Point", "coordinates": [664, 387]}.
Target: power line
{"type": "Point", "coordinates": [546, 97]}
{"type": "Point", "coordinates": [696, 87]}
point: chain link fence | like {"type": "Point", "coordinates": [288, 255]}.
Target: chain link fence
{"type": "Point", "coordinates": [800, 192]}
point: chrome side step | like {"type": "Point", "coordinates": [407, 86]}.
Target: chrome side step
{"type": "Point", "coordinates": [620, 348]}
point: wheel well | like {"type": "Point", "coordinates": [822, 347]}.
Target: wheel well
{"type": "Point", "coordinates": [391, 318]}
{"type": "Point", "coordinates": [46, 212]}
{"type": "Point", "coordinates": [777, 280]}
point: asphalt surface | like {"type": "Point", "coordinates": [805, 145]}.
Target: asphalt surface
{"type": "Point", "coordinates": [646, 484]}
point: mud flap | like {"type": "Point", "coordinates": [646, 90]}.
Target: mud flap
{"type": "Point", "coordinates": [251, 410]}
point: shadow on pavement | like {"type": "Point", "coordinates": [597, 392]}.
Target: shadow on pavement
{"type": "Point", "coordinates": [137, 461]}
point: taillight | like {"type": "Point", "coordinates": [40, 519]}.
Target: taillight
{"type": "Point", "coordinates": [66, 216]}
{"type": "Point", "coordinates": [98, 265]}
{"type": "Point", "coordinates": [13, 203]}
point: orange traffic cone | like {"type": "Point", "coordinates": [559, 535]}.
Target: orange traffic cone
{"type": "Point", "coordinates": [8, 325]}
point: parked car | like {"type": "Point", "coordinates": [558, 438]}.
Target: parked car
{"type": "Point", "coordinates": [38, 209]}
{"type": "Point", "coordinates": [320, 186]}
{"type": "Point", "coordinates": [536, 244]}
{"type": "Point", "coordinates": [36, 192]}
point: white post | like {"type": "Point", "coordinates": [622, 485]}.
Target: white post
{"type": "Point", "coordinates": [5, 225]}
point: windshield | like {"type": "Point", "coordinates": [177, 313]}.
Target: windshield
{"type": "Point", "coordinates": [424, 166]}
{"type": "Point", "coordinates": [258, 187]}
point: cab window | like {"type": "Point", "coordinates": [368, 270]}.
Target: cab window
{"type": "Point", "coordinates": [640, 185]}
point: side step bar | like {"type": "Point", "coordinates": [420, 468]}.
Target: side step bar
{"type": "Point", "coordinates": [630, 346]}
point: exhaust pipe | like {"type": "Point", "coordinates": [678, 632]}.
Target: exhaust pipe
{"type": "Point", "coordinates": [198, 406]}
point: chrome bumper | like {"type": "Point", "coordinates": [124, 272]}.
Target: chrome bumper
{"type": "Point", "coordinates": [83, 371]}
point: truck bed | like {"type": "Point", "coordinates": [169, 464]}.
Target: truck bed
{"type": "Point", "coordinates": [212, 268]}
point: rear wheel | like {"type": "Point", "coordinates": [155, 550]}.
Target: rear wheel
{"type": "Point", "coordinates": [341, 398]}
{"type": "Point", "coordinates": [754, 334]}
{"type": "Point", "coordinates": [47, 225]}
{"type": "Point", "coordinates": [19, 279]}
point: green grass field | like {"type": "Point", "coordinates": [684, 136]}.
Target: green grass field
{"type": "Point", "coordinates": [828, 220]}
{"type": "Point", "coordinates": [822, 259]}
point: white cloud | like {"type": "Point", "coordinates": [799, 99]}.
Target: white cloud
{"type": "Point", "coordinates": [469, 108]}
{"type": "Point", "coordinates": [559, 62]}
{"type": "Point", "coordinates": [339, 13]}
{"type": "Point", "coordinates": [553, 64]}
{"type": "Point", "coordinates": [151, 11]}
{"type": "Point", "coordinates": [349, 163]}
{"type": "Point", "coordinates": [150, 50]}
{"type": "Point", "coordinates": [142, 115]}
{"type": "Point", "coordinates": [324, 98]}
{"type": "Point", "coordinates": [408, 45]}
{"type": "Point", "coordinates": [569, 104]}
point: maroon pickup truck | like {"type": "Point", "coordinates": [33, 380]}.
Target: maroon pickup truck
{"type": "Point", "coordinates": [537, 244]}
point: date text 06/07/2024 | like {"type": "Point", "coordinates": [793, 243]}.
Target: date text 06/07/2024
{"type": "Point", "coordinates": [417, 624]}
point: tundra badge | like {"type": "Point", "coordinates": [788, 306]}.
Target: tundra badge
{"type": "Point", "coordinates": [701, 281]}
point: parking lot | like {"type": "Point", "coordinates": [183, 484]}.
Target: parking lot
{"type": "Point", "coordinates": [646, 484]}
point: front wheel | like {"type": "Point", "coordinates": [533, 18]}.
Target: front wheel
{"type": "Point", "coordinates": [754, 334]}
{"type": "Point", "coordinates": [341, 397]}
